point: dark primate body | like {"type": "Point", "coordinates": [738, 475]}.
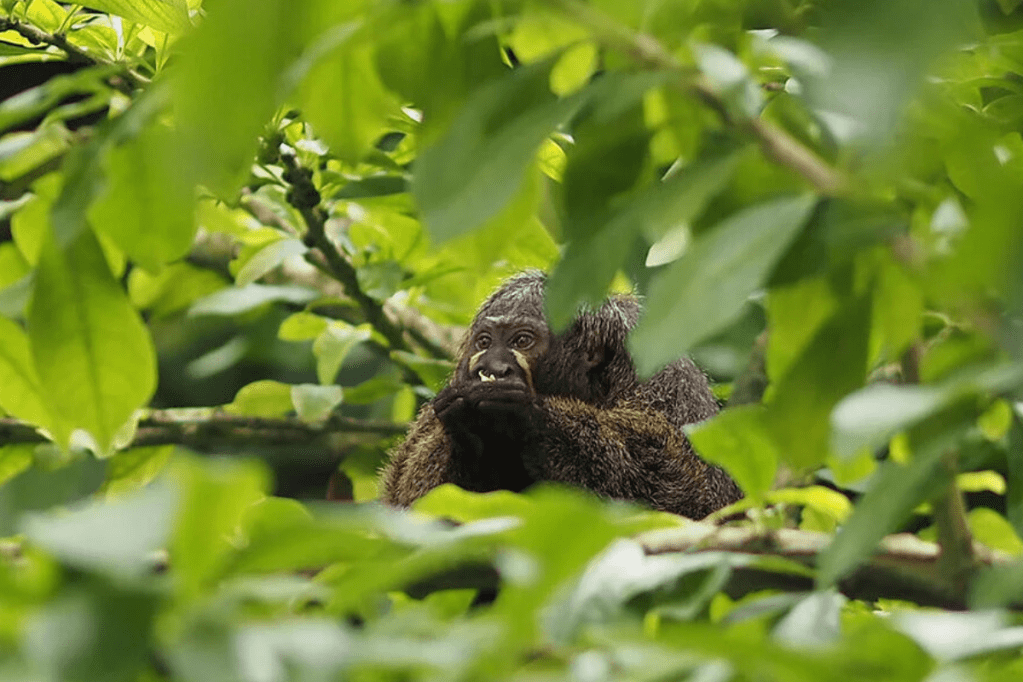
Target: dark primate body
{"type": "Point", "coordinates": [526, 405]}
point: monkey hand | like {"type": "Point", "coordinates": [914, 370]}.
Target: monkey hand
{"type": "Point", "coordinates": [488, 409]}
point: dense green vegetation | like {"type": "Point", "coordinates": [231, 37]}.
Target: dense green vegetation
{"type": "Point", "coordinates": [239, 241]}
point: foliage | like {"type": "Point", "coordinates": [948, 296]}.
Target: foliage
{"type": "Point", "coordinates": [288, 209]}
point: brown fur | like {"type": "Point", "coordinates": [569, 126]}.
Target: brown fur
{"type": "Point", "coordinates": [591, 423]}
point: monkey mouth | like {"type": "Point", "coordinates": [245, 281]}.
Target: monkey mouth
{"type": "Point", "coordinates": [484, 377]}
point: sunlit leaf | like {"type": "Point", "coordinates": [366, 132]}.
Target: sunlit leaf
{"type": "Point", "coordinates": [169, 16]}
{"type": "Point", "coordinates": [94, 355]}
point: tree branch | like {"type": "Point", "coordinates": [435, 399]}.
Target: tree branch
{"type": "Point", "coordinates": [132, 79]}
{"type": "Point", "coordinates": [305, 197]}
{"type": "Point", "coordinates": [776, 143]}
{"type": "Point", "coordinates": [209, 428]}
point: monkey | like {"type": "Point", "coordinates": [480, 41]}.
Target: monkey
{"type": "Point", "coordinates": [526, 405]}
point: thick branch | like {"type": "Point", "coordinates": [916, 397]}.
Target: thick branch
{"type": "Point", "coordinates": [132, 80]}
{"type": "Point", "coordinates": [210, 429]}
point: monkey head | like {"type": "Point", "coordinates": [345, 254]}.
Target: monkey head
{"type": "Point", "coordinates": [506, 348]}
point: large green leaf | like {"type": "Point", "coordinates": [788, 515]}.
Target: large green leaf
{"type": "Point", "coordinates": [477, 167]}
{"type": "Point", "coordinates": [94, 355]}
{"type": "Point", "coordinates": [228, 82]}
{"type": "Point", "coordinates": [146, 209]}
{"type": "Point", "coordinates": [590, 261]}
{"type": "Point", "coordinates": [21, 393]}
{"type": "Point", "coordinates": [705, 289]}
{"type": "Point", "coordinates": [169, 16]}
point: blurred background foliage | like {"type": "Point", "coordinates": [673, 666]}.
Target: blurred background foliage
{"type": "Point", "coordinates": [239, 243]}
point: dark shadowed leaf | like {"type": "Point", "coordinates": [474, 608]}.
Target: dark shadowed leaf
{"type": "Point", "coordinates": [705, 289]}
{"type": "Point", "coordinates": [478, 165]}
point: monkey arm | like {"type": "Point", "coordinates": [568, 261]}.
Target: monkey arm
{"type": "Point", "coordinates": [419, 464]}
{"type": "Point", "coordinates": [630, 452]}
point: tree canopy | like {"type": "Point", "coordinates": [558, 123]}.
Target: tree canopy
{"type": "Point", "coordinates": [239, 243]}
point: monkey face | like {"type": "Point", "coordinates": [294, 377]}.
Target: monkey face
{"type": "Point", "coordinates": [506, 349]}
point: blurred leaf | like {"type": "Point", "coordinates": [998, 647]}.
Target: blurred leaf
{"type": "Point", "coordinates": [314, 403]}
{"type": "Point", "coordinates": [594, 255]}
{"type": "Point", "coordinates": [237, 300]}
{"type": "Point", "coordinates": [621, 574]}
{"type": "Point", "coordinates": [477, 166]}
{"type": "Point", "coordinates": [283, 536]}
{"type": "Point", "coordinates": [434, 373]}
{"type": "Point", "coordinates": [94, 631]}
{"type": "Point", "coordinates": [219, 125]}
{"type": "Point", "coordinates": [169, 16]}
{"type": "Point", "coordinates": [332, 347]}
{"type": "Point", "coordinates": [116, 537]}
{"type": "Point", "coordinates": [93, 353]}
{"type": "Point", "coordinates": [952, 636]}
{"type": "Point", "coordinates": [813, 622]}
{"type": "Point", "coordinates": [267, 258]}
{"type": "Point", "coordinates": [347, 81]}
{"type": "Point", "coordinates": [129, 470]}
{"type": "Point", "coordinates": [705, 289]}
{"type": "Point", "coordinates": [146, 208]}
{"type": "Point", "coordinates": [302, 326]}
{"type": "Point", "coordinates": [895, 490]}
{"type": "Point", "coordinates": [38, 488]}
{"type": "Point", "coordinates": [264, 398]}
{"type": "Point", "coordinates": [215, 495]}
{"type": "Point", "coordinates": [736, 440]}
{"type": "Point", "coordinates": [991, 528]}
{"type": "Point", "coordinates": [874, 65]}
{"type": "Point", "coordinates": [872, 415]}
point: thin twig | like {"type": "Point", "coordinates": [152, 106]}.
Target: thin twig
{"type": "Point", "coordinates": [647, 51]}
{"type": "Point", "coordinates": [132, 80]}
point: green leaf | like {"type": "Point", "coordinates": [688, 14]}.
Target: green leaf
{"type": "Point", "coordinates": [237, 300]}
{"type": "Point", "coordinates": [589, 262]}
{"type": "Point", "coordinates": [477, 167]}
{"type": "Point", "coordinates": [21, 392]}
{"type": "Point", "coordinates": [63, 641]}
{"type": "Point", "coordinates": [347, 81]}
{"type": "Point", "coordinates": [169, 16]}
{"type": "Point", "coordinates": [215, 495]}
{"type": "Point", "coordinates": [736, 440]}
{"type": "Point", "coordinates": [283, 536]}
{"type": "Point", "coordinates": [94, 355]}
{"type": "Point", "coordinates": [117, 537]}
{"type": "Point", "coordinates": [333, 345]}
{"type": "Point", "coordinates": [895, 491]}
{"type": "Point", "coordinates": [313, 402]}
{"type": "Point", "coordinates": [146, 208]}
{"type": "Point", "coordinates": [264, 398]}
{"type": "Point", "coordinates": [705, 290]}
{"type": "Point", "coordinates": [227, 84]}
{"type": "Point", "coordinates": [833, 365]}
{"type": "Point", "coordinates": [268, 258]}
{"type": "Point", "coordinates": [872, 415]}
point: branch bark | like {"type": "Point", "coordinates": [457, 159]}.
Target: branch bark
{"type": "Point", "coordinates": [211, 429]}
{"type": "Point", "coordinates": [132, 80]}
{"type": "Point", "coordinates": [646, 50]}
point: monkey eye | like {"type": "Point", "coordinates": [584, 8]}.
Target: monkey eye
{"type": "Point", "coordinates": [522, 340]}
{"type": "Point", "coordinates": [482, 342]}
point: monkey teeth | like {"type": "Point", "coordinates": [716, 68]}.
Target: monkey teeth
{"type": "Point", "coordinates": [486, 377]}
